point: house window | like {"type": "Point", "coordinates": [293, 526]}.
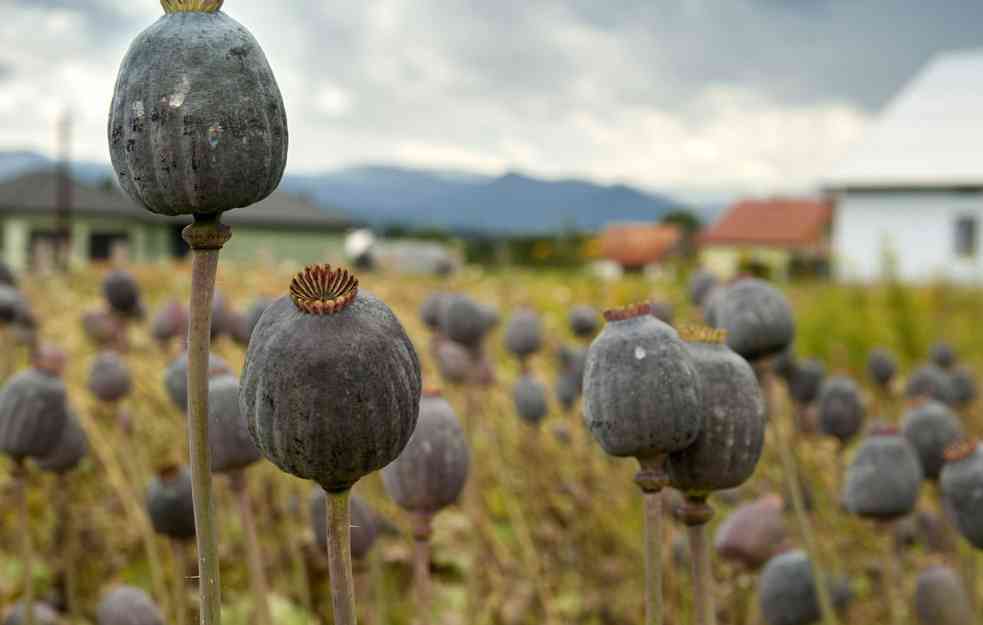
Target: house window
{"type": "Point", "coordinates": [101, 244]}
{"type": "Point", "coordinates": [966, 237]}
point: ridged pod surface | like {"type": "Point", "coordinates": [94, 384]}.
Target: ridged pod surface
{"type": "Point", "coordinates": [364, 524]}
{"type": "Point", "coordinates": [33, 412]}
{"type": "Point", "coordinates": [72, 447]}
{"type": "Point", "coordinates": [787, 591]}
{"type": "Point", "coordinates": [531, 399]}
{"type": "Point", "coordinates": [732, 435]}
{"type": "Point", "coordinates": [881, 366]}
{"type": "Point", "coordinates": [962, 486]}
{"type": "Point", "coordinates": [524, 333]}
{"type": "Point", "coordinates": [840, 408]}
{"type": "Point", "coordinates": [757, 318]}
{"type": "Point", "coordinates": [883, 479]}
{"type": "Point", "coordinates": [197, 123]}
{"type": "Point", "coordinates": [109, 377]}
{"type": "Point", "coordinates": [931, 428]}
{"type": "Point", "coordinates": [331, 397]}
{"type": "Point", "coordinates": [753, 532]}
{"type": "Point", "coordinates": [930, 382]}
{"type": "Point", "coordinates": [430, 473]}
{"type": "Point", "coordinates": [170, 506]}
{"type": "Point", "coordinates": [231, 446]}
{"type": "Point", "coordinates": [941, 598]}
{"type": "Point", "coordinates": [642, 392]}
{"type": "Point", "coordinates": [128, 605]}
{"type": "Point", "coordinates": [176, 377]}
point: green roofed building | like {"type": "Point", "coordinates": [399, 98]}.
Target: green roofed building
{"type": "Point", "coordinates": [282, 227]}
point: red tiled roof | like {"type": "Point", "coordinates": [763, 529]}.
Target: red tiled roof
{"type": "Point", "coordinates": [637, 245]}
{"type": "Point", "coordinates": [778, 222]}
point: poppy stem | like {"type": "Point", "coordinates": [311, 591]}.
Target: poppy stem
{"type": "Point", "coordinates": [421, 566]}
{"type": "Point", "coordinates": [254, 558]}
{"type": "Point", "coordinates": [20, 476]}
{"type": "Point", "coordinates": [180, 570]}
{"type": "Point", "coordinates": [340, 558]}
{"type": "Point", "coordinates": [205, 236]}
{"type": "Point", "coordinates": [651, 479]}
{"type": "Point", "coordinates": [64, 488]}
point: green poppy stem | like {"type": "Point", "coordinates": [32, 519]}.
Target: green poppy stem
{"type": "Point", "coordinates": [340, 558]}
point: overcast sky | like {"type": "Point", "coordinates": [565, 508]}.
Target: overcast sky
{"type": "Point", "coordinates": [758, 95]}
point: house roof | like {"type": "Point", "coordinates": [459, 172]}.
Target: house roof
{"type": "Point", "coordinates": [638, 244]}
{"type": "Point", "coordinates": [36, 192]}
{"type": "Point", "coordinates": [781, 222]}
{"type": "Point", "coordinates": [930, 135]}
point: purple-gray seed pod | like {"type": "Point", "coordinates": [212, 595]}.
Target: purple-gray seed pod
{"type": "Point", "coordinates": [176, 377]}
{"type": "Point", "coordinates": [11, 304]}
{"type": "Point", "coordinates": [128, 605]}
{"type": "Point", "coordinates": [530, 399]}
{"type": "Point", "coordinates": [883, 479]}
{"type": "Point", "coordinates": [432, 310]}
{"type": "Point", "coordinates": [784, 364]}
{"type": "Point", "coordinates": [430, 473]}
{"type": "Point", "coordinates": [72, 447]}
{"type": "Point", "coordinates": [941, 598]}
{"type": "Point", "coordinates": [454, 362]}
{"type": "Point", "coordinates": [567, 389]}
{"type": "Point", "coordinates": [584, 321]}
{"type": "Point", "coordinates": [930, 428]}
{"type": "Point", "coordinates": [33, 412]}
{"type": "Point", "coordinates": [881, 366]}
{"type": "Point", "coordinates": [942, 355]}
{"type": "Point", "coordinates": [364, 524]}
{"type": "Point", "coordinates": [170, 322]}
{"type": "Point", "coordinates": [232, 449]}
{"type": "Point", "coordinates": [962, 487]}
{"type": "Point", "coordinates": [711, 305]}
{"type": "Point", "coordinates": [524, 333]}
{"type": "Point", "coordinates": [122, 293]}
{"type": "Point", "coordinates": [700, 285]}
{"type": "Point", "coordinates": [7, 275]}
{"type": "Point", "coordinates": [43, 614]}
{"type": "Point", "coordinates": [255, 313]}
{"type": "Point", "coordinates": [787, 591]}
{"type": "Point", "coordinates": [663, 311]}
{"type": "Point", "coordinates": [169, 504]}
{"type": "Point", "coordinates": [930, 382]}
{"type": "Point", "coordinates": [464, 320]}
{"type": "Point", "coordinates": [109, 377]}
{"type": "Point", "coordinates": [840, 408]}
{"type": "Point", "coordinates": [757, 317]}
{"type": "Point", "coordinates": [963, 382]}
{"type": "Point", "coordinates": [806, 381]}
{"type": "Point", "coordinates": [642, 394]}
{"type": "Point", "coordinates": [752, 533]}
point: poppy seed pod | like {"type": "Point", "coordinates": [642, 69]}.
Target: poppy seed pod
{"type": "Point", "coordinates": [787, 591]}
{"type": "Point", "coordinates": [122, 293]}
{"type": "Point", "coordinates": [806, 381]}
{"type": "Point", "coordinates": [941, 598]}
{"type": "Point", "coordinates": [127, 605]}
{"type": "Point", "coordinates": [7, 275]}
{"type": "Point", "coordinates": [711, 305]}
{"type": "Point", "coordinates": [931, 428]}
{"type": "Point", "coordinates": [700, 284]}
{"type": "Point", "coordinates": [753, 533]}
{"type": "Point", "coordinates": [732, 435]}
{"type": "Point", "coordinates": [238, 327]}
{"type": "Point", "coordinates": [176, 377]}
{"type": "Point", "coordinates": [490, 316]}
{"type": "Point", "coordinates": [50, 358]}
{"type": "Point", "coordinates": [881, 367]}
{"type": "Point", "coordinates": [109, 377]}
{"type": "Point", "coordinates": [784, 364]}
{"type": "Point", "coordinates": [530, 399]}
{"type": "Point", "coordinates": [364, 523]}
{"type": "Point", "coordinates": [72, 447]}
{"type": "Point", "coordinates": [170, 322]}
{"type": "Point", "coordinates": [454, 362]}
{"type": "Point", "coordinates": [757, 317]}
{"type": "Point", "coordinates": [663, 311]}
{"type": "Point", "coordinates": [942, 355]}
{"type": "Point", "coordinates": [930, 382]}
{"type": "Point", "coordinates": [255, 313]}
{"type": "Point", "coordinates": [641, 388]}
{"type": "Point", "coordinates": [204, 132]}
{"type": "Point", "coordinates": [32, 414]}
{"type": "Point", "coordinates": [524, 334]}
{"type": "Point", "coordinates": [431, 471]}
{"type": "Point", "coordinates": [884, 477]}
{"type": "Point", "coordinates": [231, 447]}
{"type": "Point", "coordinates": [464, 320]}
{"type": "Point", "coordinates": [584, 321]}
{"type": "Point", "coordinates": [11, 304]}
{"type": "Point", "coordinates": [169, 504]}
{"type": "Point", "coordinates": [101, 327]}
{"type": "Point", "coordinates": [840, 408]}
{"type": "Point", "coordinates": [432, 310]}
{"type": "Point", "coordinates": [331, 385]}
{"type": "Point", "coordinates": [963, 382]}
{"type": "Point", "coordinates": [962, 487]}
{"type": "Point", "coordinates": [566, 389]}
{"type": "Point", "coordinates": [43, 614]}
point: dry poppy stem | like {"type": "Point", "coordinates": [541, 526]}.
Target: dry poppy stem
{"type": "Point", "coordinates": [340, 558]}
{"type": "Point", "coordinates": [892, 577]}
{"type": "Point", "coordinates": [27, 552]}
{"type": "Point", "coordinates": [421, 566]}
{"type": "Point", "coordinates": [70, 555]}
{"type": "Point", "coordinates": [297, 562]}
{"type": "Point", "coordinates": [205, 236]}
{"type": "Point", "coordinates": [180, 570]}
{"type": "Point", "coordinates": [651, 479]}
{"type": "Point", "coordinates": [254, 559]}
{"type": "Point", "coordinates": [702, 583]}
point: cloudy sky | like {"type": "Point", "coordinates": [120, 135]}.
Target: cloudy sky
{"type": "Point", "coordinates": [758, 95]}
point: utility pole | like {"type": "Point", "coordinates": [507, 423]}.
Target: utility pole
{"type": "Point", "coordinates": [64, 199]}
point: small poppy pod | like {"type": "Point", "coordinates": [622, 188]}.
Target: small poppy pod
{"type": "Point", "coordinates": [43, 614]}
{"type": "Point", "coordinates": [50, 358]}
{"type": "Point", "coordinates": [169, 504]}
{"type": "Point", "coordinates": [711, 305]}
{"type": "Point", "coordinates": [883, 479]}
{"type": "Point", "coordinates": [942, 355]}
{"type": "Point", "coordinates": [962, 488]}
{"type": "Point", "coordinates": [432, 310]}
{"type": "Point", "coordinates": [430, 473]}
{"type": "Point", "coordinates": [642, 391]}
{"type": "Point", "coordinates": [881, 366]}
{"type": "Point", "coordinates": [170, 322]}
{"type": "Point", "coordinates": [331, 385]}
{"type": "Point", "coordinates": [11, 304]}
{"type": "Point", "coordinates": [931, 428]}
{"type": "Point", "coordinates": [7, 275]}
{"type": "Point", "coordinates": [255, 313]}
{"type": "Point", "coordinates": [122, 293]}
{"type": "Point", "coordinates": [221, 310]}
{"type": "Point", "coordinates": [572, 359]}
{"type": "Point", "coordinates": [926, 528]}
{"type": "Point", "coordinates": [584, 321]}
{"type": "Point", "coordinates": [784, 364]}
{"type": "Point", "coordinates": [806, 381]}
{"type": "Point", "coordinates": [531, 399]}
{"type": "Point", "coordinates": [663, 311]}
{"type": "Point", "coordinates": [757, 317]}
{"type": "Point", "coordinates": [238, 327]}
{"type": "Point", "coordinates": [490, 317]}
{"type": "Point", "coordinates": [941, 598]}
{"type": "Point", "coordinates": [72, 447]}
{"type": "Point", "coordinates": [840, 408]}
{"type": "Point", "coordinates": [963, 382]}
{"type": "Point", "coordinates": [127, 605]}
{"type": "Point", "coordinates": [524, 333]}
{"type": "Point", "coordinates": [109, 377]}
{"type": "Point", "coordinates": [101, 327]}
{"type": "Point", "coordinates": [787, 591]}
{"type": "Point", "coordinates": [33, 412]}
{"type": "Point", "coordinates": [732, 434]}
{"type": "Point", "coordinates": [176, 377]}
{"type": "Point", "coordinates": [700, 284]}
{"type": "Point", "coordinates": [455, 362]}
{"type": "Point", "coordinates": [231, 446]}
{"type": "Point", "coordinates": [364, 523]}
{"type": "Point", "coordinates": [930, 382]}
{"type": "Point", "coordinates": [753, 533]}
{"type": "Point", "coordinates": [464, 320]}
{"type": "Point", "coordinates": [204, 132]}
{"type": "Point", "coordinates": [567, 389]}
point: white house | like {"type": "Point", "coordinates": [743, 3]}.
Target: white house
{"type": "Point", "coordinates": [910, 195]}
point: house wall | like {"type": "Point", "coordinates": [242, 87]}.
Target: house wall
{"type": "Point", "coordinates": [915, 230]}
{"type": "Point", "coordinates": [725, 260]}
{"type": "Point", "coordinates": [249, 245]}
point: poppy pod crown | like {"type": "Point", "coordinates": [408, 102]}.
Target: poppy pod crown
{"type": "Point", "coordinates": [323, 290]}
{"type": "Point", "coordinates": [191, 6]}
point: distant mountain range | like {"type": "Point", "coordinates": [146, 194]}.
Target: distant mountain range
{"type": "Point", "coordinates": [379, 195]}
